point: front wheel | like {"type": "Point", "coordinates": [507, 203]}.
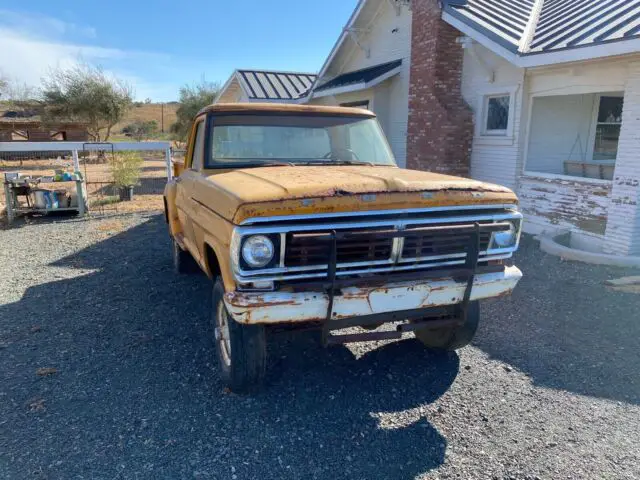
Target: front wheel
{"type": "Point", "coordinates": [241, 349]}
{"type": "Point", "coordinates": [452, 338]}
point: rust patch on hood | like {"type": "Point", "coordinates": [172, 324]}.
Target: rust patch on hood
{"type": "Point", "coordinates": [280, 190]}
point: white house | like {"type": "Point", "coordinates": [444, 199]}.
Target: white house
{"type": "Point", "coordinates": [540, 95]}
{"type": "Point", "coordinates": [554, 86]}
{"type": "Point", "coordinates": [369, 67]}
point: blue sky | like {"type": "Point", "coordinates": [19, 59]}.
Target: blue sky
{"type": "Point", "coordinates": [159, 46]}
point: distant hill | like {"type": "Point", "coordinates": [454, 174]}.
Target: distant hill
{"type": "Point", "coordinates": [140, 111]}
{"type": "Point", "coordinates": [150, 111]}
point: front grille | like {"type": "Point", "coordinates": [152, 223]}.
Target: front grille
{"type": "Point", "coordinates": [377, 244]}
{"type": "Point", "coordinates": [304, 249]}
{"type": "Point", "coordinates": [309, 249]}
{"type": "Point", "coordinates": [441, 243]}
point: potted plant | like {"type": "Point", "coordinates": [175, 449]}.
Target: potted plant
{"type": "Point", "coordinates": [125, 171]}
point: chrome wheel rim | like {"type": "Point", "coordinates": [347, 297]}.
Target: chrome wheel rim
{"type": "Point", "coordinates": [222, 334]}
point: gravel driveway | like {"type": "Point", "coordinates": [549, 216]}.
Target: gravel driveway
{"type": "Point", "coordinates": [106, 371]}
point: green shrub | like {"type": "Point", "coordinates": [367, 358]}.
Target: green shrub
{"type": "Point", "coordinates": [126, 168]}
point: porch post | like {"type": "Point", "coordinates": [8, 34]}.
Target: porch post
{"type": "Point", "coordinates": [622, 235]}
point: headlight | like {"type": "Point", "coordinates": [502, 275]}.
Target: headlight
{"type": "Point", "coordinates": [505, 238]}
{"type": "Point", "coordinates": [258, 251]}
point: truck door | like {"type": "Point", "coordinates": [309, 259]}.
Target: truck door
{"type": "Point", "coordinates": [185, 183]}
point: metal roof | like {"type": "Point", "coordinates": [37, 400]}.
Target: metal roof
{"type": "Point", "coordinates": [364, 75]}
{"type": "Point", "coordinates": [272, 85]}
{"type": "Point", "coordinates": [542, 26]}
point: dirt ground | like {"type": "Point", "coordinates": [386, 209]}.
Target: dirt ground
{"type": "Point", "coordinates": [107, 371]}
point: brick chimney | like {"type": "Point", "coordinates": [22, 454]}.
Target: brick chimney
{"type": "Point", "coordinates": [440, 127]}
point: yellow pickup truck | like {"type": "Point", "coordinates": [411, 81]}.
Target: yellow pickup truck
{"type": "Point", "coordinates": [300, 217]}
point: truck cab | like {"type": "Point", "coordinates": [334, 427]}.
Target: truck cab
{"type": "Point", "coordinates": [300, 217]}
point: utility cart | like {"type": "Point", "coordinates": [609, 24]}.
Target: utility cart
{"type": "Point", "coordinates": [25, 195]}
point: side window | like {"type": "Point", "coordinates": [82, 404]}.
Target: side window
{"type": "Point", "coordinates": [198, 147]}
{"type": "Point", "coordinates": [496, 114]}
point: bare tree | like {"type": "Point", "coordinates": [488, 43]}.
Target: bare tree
{"type": "Point", "coordinates": [86, 94]}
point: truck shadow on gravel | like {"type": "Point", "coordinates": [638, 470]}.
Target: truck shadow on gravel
{"type": "Point", "coordinates": [135, 392]}
{"type": "Point", "coordinates": [565, 329]}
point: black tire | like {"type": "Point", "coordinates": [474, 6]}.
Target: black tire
{"type": "Point", "coordinates": [452, 338]}
{"type": "Point", "coordinates": [243, 356]}
{"type": "Point", "coordinates": [183, 262]}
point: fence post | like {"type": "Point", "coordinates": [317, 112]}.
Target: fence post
{"type": "Point", "coordinates": [168, 158]}
{"type": "Point", "coordinates": [76, 161]}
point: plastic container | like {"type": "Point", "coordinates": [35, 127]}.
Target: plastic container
{"type": "Point", "coordinates": [50, 199]}
{"type": "Point", "coordinates": [40, 198]}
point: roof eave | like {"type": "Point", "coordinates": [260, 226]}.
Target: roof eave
{"type": "Point", "coordinates": [614, 48]}
{"type": "Point", "coordinates": [355, 87]}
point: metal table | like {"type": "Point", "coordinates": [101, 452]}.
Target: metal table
{"type": "Point", "coordinates": [14, 208]}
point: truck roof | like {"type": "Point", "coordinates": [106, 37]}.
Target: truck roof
{"type": "Point", "coordinates": [280, 108]}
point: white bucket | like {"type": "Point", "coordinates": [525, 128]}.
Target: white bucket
{"type": "Point", "coordinates": [40, 201]}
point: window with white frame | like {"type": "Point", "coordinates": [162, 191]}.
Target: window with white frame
{"type": "Point", "coordinates": [608, 121]}
{"type": "Point", "coordinates": [496, 114]}
{"type": "Point", "coordinates": [575, 135]}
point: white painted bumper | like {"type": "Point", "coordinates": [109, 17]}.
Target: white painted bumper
{"type": "Point", "coordinates": [284, 307]}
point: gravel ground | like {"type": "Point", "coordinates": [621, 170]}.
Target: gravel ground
{"type": "Point", "coordinates": [107, 371]}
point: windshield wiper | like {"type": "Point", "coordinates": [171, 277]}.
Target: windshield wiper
{"type": "Point", "coordinates": [352, 162]}
{"type": "Point", "coordinates": [253, 163]}
{"type": "Point", "coordinates": [329, 161]}
{"type": "Point", "coordinates": [276, 164]}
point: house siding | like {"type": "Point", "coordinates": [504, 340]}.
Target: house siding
{"type": "Point", "coordinates": [232, 94]}
{"type": "Point", "coordinates": [389, 39]}
{"type": "Point", "coordinates": [553, 205]}
{"type": "Point", "coordinates": [493, 160]}
{"type": "Point", "coordinates": [623, 228]}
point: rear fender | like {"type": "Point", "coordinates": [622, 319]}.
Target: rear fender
{"type": "Point", "coordinates": [170, 210]}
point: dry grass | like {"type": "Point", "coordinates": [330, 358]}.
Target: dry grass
{"type": "Point", "coordinates": [144, 112]}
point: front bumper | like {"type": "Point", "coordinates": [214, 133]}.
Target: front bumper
{"type": "Point", "coordinates": [355, 301]}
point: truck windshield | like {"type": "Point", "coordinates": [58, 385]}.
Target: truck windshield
{"type": "Point", "coordinates": [296, 139]}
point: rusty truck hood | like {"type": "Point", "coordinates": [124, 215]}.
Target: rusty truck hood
{"type": "Point", "coordinates": [274, 191]}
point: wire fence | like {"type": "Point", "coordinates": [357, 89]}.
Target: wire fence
{"type": "Point", "coordinates": [46, 167]}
